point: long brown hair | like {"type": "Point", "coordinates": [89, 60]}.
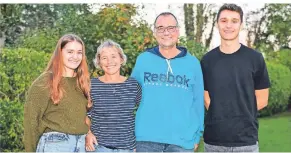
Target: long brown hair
{"type": "Point", "coordinates": [56, 65]}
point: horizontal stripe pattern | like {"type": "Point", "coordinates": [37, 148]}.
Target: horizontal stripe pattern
{"type": "Point", "coordinates": [112, 113]}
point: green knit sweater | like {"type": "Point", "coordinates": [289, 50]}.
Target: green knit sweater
{"type": "Point", "coordinates": [41, 115]}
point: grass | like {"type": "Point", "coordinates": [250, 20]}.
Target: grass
{"type": "Point", "coordinates": [274, 133]}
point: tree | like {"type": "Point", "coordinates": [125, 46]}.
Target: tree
{"type": "Point", "coordinates": [270, 30]}
{"type": "Point", "coordinates": [16, 19]}
{"type": "Point", "coordinates": [116, 22]}
{"type": "Point", "coordinates": [112, 21]}
{"type": "Point", "coordinates": [46, 23]}
{"type": "Point", "coordinates": [189, 21]}
{"type": "Point", "coordinates": [199, 24]}
{"type": "Point", "coordinates": [10, 23]}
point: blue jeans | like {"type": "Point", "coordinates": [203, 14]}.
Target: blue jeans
{"type": "Point", "coordinates": [100, 148]}
{"type": "Point", "coordinates": [214, 148]}
{"type": "Point", "coordinates": [61, 142]}
{"type": "Point", "coordinates": [146, 146]}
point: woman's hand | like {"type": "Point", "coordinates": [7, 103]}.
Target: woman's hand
{"type": "Point", "coordinates": [90, 141]}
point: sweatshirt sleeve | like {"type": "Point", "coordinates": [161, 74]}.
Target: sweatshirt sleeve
{"type": "Point", "coordinates": [36, 103]}
{"type": "Point", "coordinates": [199, 100]}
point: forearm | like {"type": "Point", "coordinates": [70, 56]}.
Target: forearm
{"type": "Point", "coordinates": [207, 103]}
{"type": "Point", "coordinates": [262, 98]}
{"type": "Point", "coordinates": [261, 103]}
{"type": "Point", "coordinates": [88, 122]}
{"type": "Point", "coordinates": [206, 100]}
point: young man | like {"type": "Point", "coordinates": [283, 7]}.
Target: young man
{"type": "Point", "coordinates": [171, 114]}
{"type": "Point", "coordinates": [236, 85]}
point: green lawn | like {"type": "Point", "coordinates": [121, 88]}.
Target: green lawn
{"type": "Point", "coordinates": [274, 133]}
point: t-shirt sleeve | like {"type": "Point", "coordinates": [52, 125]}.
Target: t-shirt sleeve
{"type": "Point", "coordinates": [262, 80]}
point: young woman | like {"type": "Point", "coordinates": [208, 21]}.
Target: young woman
{"type": "Point", "coordinates": [114, 100]}
{"type": "Point", "coordinates": [56, 103]}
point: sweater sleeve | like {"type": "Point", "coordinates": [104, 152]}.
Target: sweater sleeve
{"type": "Point", "coordinates": [199, 101]}
{"type": "Point", "coordinates": [138, 94]}
{"type": "Point", "coordinates": [36, 103]}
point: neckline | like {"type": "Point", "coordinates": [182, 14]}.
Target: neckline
{"type": "Point", "coordinates": [112, 83]}
{"type": "Point", "coordinates": [234, 53]}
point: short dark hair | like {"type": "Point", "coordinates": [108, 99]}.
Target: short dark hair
{"type": "Point", "coordinates": [231, 7]}
{"type": "Point", "coordinates": [165, 14]}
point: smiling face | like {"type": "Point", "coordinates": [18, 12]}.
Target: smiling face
{"type": "Point", "coordinates": [72, 54]}
{"type": "Point", "coordinates": [166, 31]}
{"type": "Point", "coordinates": [110, 60]}
{"type": "Point", "coordinates": [229, 25]}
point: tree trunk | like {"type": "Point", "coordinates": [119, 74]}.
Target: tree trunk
{"type": "Point", "coordinates": [199, 23]}
{"type": "Point", "coordinates": [189, 21]}
{"type": "Point", "coordinates": [2, 42]}
{"type": "Point", "coordinates": [209, 38]}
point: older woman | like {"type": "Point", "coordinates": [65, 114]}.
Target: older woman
{"type": "Point", "coordinates": [114, 99]}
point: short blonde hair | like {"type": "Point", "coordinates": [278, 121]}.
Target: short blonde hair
{"type": "Point", "coordinates": [108, 44]}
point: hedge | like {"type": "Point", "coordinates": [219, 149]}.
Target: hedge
{"type": "Point", "coordinates": [280, 77]}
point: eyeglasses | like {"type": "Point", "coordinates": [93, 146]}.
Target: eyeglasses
{"type": "Point", "coordinates": [169, 29]}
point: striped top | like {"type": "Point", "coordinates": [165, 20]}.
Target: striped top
{"type": "Point", "coordinates": [112, 113]}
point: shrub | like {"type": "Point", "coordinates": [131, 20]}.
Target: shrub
{"type": "Point", "coordinates": [11, 125]}
{"type": "Point", "coordinates": [285, 57]}
{"type": "Point", "coordinates": [40, 40]}
{"type": "Point", "coordinates": [280, 90]}
{"type": "Point", "coordinates": [282, 57]}
{"type": "Point", "coordinates": [18, 68]}
{"type": "Point", "coordinates": [196, 49]}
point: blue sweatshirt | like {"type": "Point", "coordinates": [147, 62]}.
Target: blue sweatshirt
{"type": "Point", "coordinates": [172, 106]}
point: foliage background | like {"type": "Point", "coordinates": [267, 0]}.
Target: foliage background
{"type": "Point", "coordinates": [29, 33]}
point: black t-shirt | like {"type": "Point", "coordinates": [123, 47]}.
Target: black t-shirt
{"type": "Point", "coordinates": [231, 80]}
